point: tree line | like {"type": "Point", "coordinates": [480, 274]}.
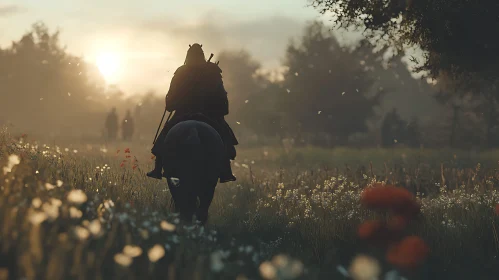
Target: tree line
{"type": "Point", "coordinates": [328, 95]}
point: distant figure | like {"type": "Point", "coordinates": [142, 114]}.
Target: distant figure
{"type": "Point", "coordinates": [197, 93]}
{"type": "Point", "coordinates": [127, 126]}
{"type": "Point", "coordinates": [112, 125]}
{"type": "Point", "coordinates": [393, 129]}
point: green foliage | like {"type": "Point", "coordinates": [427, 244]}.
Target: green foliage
{"type": "Point", "coordinates": [453, 33]}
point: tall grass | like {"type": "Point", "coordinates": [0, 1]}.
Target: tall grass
{"type": "Point", "coordinates": [303, 203]}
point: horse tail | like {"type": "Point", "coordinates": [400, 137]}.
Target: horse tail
{"type": "Point", "coordinates": [193, 138]}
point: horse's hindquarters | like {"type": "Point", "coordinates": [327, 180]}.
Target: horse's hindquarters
{"type": "Point", "coordinates": [195, 157]}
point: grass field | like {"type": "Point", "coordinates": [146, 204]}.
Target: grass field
{"type": "Point", "coordinates": [89, 212]}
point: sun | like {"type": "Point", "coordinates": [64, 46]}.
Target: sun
{"type": "Point", "coordinates": [109, 65]}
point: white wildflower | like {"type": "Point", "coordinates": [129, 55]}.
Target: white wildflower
{"type": "Point", "coordinates": [132, 251]}
{"type": "Point", "coordinates": [81, 232]}
{"type": "Point", "coordinates": [36, 202]}
{"type": "Point", "coordinates": [49, 186]}
{"type": "Point", "coordinates": [156, 253]}
{"type": "Point", "coordinates": [364, 268]}
{"type": "Point", "coordinates": [59, 183]}
{"type": "Point", "coordinates": [77, 196]}
{"type": "Point", "coordinates": [95, 227]}
{"type": "Point", "coordinates": [123, 259]}
{"type": "Point", "coordinates": [74, 213]}
{"type": "Point", "coordinates": [267, 270]}
{"type": "Point", "coordinates": [37, 218]}
{"type": "Point", "coordinates": [12, 161]}
{"type": "Point", "coordinates": [51, 210]}
{"type": "Point", "coordinates": [216, 261]}
{"type": "Point", "coordinates": [167, 226]}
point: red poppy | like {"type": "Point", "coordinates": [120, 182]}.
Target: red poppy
{"type": "Point", "coordinates": [369, 229]}
{"type": "Point", "coordinates": [128, 156]}
{"type": "Point", "coordinates": [397, 223]}
{"type": "Point", "coordinates": [135, 166]}
{"type": "Point", "coordinates": [127, 150]}
{"type": "Point", "coordinates": [122, 164]}
{"type": "Point", "coordinates": [409, 253]}
{"type": "Point", "coordinates": [398, 200]}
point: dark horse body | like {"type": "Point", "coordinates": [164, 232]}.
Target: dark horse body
{"type": "Point", "coordinates": [192, 164]}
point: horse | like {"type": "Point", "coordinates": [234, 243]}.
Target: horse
{"type": "Point", "coordinates": [192, 161]}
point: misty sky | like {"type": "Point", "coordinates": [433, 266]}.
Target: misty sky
{"type": "Point", "coordinates": [152, 36]}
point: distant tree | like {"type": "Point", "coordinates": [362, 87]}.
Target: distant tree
{"type": "Point", "coordinates": [239, 71]}
{"type": "Point", "coordinates": [326, 87]}
{"type": "Point", "coordinates": [41, 83]}
{"type": "Point", "coordinates": [413, 133]}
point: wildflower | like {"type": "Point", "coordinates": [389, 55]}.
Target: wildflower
{"type": "Point", "coordinates": [267, 270]}
{"type": "Point", "coordinates": [59, 183]}
{"type": "Point", "coordinates": [74, 213]}
{"type": "Point", "coordinates": [12, 161]}
{"type": "Point", "coordinates": [37, 218]}
{"type": "Point", "coordinates": [132, 251]}
{"type": "Point", "coordinates": [156, 253]}
{"type": "Point", "coordinates": [167, 226]}
{"type": "Point", "coordinates": [397, 223]}
{"type": "Point", "coordinates": [368, 229]}
{"type": "Point", "coordinates": [36, 202]}
{"type": "Point", "coordinates": [95, 227]}
{"type": "Point", "coordinates": [409, 253]}
{"type": "Point", "coordinates": [127, 150]}
{"type": "Point", "coordinates": [81, 232]}
{"type": "Point", "coordinates": [123, 259]}
{"type": "Point", "coordinates": [398, 200]}
{"type": "Point", "coordinates": [216, 261]}
{"type": "Point", "coordinates": [77, 196]}
{"type": "Point", "coordinates": [49, 186]}
{"type": "Point", "coordinates": [51, 210]}
{"type": "Point", "coordinates": [364, 268]}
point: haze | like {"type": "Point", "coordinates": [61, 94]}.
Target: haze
{"type": "Point", "coordinates": [138, 44]}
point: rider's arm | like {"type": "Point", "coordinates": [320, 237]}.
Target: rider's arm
{"type": "Point", "coordinates": [173, 97]}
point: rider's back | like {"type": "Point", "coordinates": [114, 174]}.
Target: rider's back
{"type": "Point", "coordinates": [198, 88]}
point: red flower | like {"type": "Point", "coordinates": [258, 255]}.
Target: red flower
{"type": "Point", "coordinates": [409, 253]}
{"type": "Point", "coordinates": [134, 166]}
{"type": "Point", "coordinates": [128, 156]}
{"type": "Point", "coordinates": [369, 229]}
{"type": "Point", "coordinates": [122, 164]}
{"type": "Point", "coordinates": [127, 150]}
{"type": "Point", "coordinates": [398, 200]}
{"type": "Point", "coordinates": [397, 223]}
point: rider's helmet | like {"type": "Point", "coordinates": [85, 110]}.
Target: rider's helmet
{"type": "Point", "coordinates": [195, 55]}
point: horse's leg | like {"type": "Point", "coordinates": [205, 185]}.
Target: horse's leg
{"type": "Point", "coordinates": [187, 204]}
{"type": "Point", "coordinates": [205, 199]}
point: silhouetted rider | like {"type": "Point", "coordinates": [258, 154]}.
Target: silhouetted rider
{"type": "Point", "coordinates": [197, 92]}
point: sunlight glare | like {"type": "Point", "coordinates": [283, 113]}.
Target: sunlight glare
{"type": "Point", "coordinates": [109, 65]}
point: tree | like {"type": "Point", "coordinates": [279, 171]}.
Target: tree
{"type": "Point", "coordinates": [239, 72]}
{"type": "Point", "coordinates": [44, 82]}
{"type": "Point", "coordinates": [450, 32]}
{"type": "Point", "coordinates": [327, 88]}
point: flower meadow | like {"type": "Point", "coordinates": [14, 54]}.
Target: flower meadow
{"type": "Point", "coordinates": [89, 212]}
